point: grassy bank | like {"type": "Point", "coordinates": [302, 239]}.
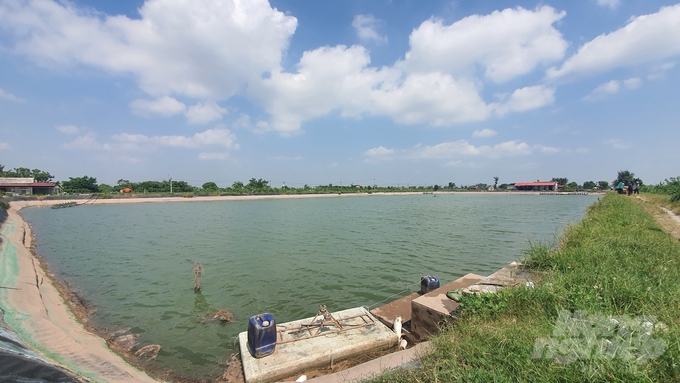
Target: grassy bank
{"type": "Point", "coordinates": [663, 200]}
{"type": "Point", "coordinates": [605, 307]}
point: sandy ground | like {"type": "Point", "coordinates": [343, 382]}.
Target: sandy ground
{"type": "Point", "coordinates": [37, 311]}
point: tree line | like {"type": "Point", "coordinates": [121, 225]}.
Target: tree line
{"type": "Point", "coordinates": [87, 184]}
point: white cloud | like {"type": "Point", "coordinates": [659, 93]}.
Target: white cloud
{"type": "Point", "coordinates": [380, 152]}
{"type": "Point", "coordinates": [7, 95]}
{"type": "Point", "coordinates": [446, 150]}
{"type": "Point", "coordinates": [203, 113]}
{"type": "Point", "coordinates": [612, 87]}
{"type": "Point", "coordinates": [213, 156]}
{"type": "Point", "coordinates": [613, 4]}
{"type": "Point", "coordinates": [204, 49]}
{"type": "Point", "coordinates": [659, 71]}
{"type": "Point", "coordinates": [547, 149]}
{"type": "Point", "coordinates": [645, 39]}
{"type": "Point", "coordinates": [527, 98]}
{"type": "Point", "coordinates": [604, 90]}
{"type": "Point", "coordinates": [138, 142]}
{"type": "Point", "coordinates": [618, 143]}
{"type": "Point", "coordinates": [338, 79]}
{"type": "Point", "coordinates": [165, 106]}
{"type": "Point", "coordinates": [484, 133]}
{"type": "Point", "coordinates": [632, 83]}
{"type": "Point", "coordinates": [366, 28]}
{"type": "Point", "coordinates": [68, 129]}
{"type": "Point", "coordinates": [4, 145]}
{"type": "Point", "coordinates": [505, 43]}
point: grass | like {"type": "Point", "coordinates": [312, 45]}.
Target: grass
{"type": "Point", "coordinates": [616, 262]}
{"type": "Point", "coordinates": [663, 200]}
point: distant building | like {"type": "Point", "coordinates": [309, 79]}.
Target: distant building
{"type": "Point", "coordinates": [535, 186]}
{"type": "Point", "coordinates": [27, 186]}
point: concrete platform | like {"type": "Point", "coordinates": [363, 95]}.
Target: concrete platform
{"type": "Point", "coordinates": [375, 367]}
{"type": "Point", "coordinates": [300, 348]}
{"type": "Point", "coordinates": [431, 310]}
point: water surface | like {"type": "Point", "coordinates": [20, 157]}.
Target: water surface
{"type": "Point", "coordinates": [133, 263]}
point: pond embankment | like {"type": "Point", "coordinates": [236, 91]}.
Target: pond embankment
{"type": "Point", "coordinates": [34, 310]}
{"type": "Point", "coordinates": [605, 307]}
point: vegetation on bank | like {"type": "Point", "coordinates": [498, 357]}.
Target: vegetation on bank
{"type": "Point", "coordinates": [613, 281]}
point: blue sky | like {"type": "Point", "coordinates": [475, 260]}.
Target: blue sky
{"type": "Point", "coordinates": [317, 92]}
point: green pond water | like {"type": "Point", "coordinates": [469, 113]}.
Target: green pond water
{"type": "Point", "coordinates": [133, 263]}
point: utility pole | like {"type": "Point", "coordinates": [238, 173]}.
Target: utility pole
{"type": "Point", "coordinates": [170, 183]}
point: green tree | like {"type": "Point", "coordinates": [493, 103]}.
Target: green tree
{"type": "Point", "coordinates": [626, 177]}
{"type": "Point", "coordinates": [561, 181]}
{"type": "Point", "coordinates": [571, 186]}
{"type": "Point", "coordinates": [210, 187]}
{"type": "Point", "coordinates": [105, 189]}
{"type": "Point", "coordinates": [452, 185]}
{"type": "Point", "coordinates": [238, 185]}
{"type": "Point", "coordinates": [495, 182]}
{"type": "Point", "coordinates": [503, 187]}
{"type": "Point", "coordinates": [83, 184]}
{"type": "Point", "coordinates": [589, 185]}
{"type": "Point", "coordinates": [603, 185]}
{"type": "Point", "coordinates": [257, 184]}
{"type": "Point", "coordinates": [41, 176]}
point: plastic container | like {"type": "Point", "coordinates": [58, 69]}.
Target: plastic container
{"type": "Point", "coordinates": [428, 283]}
{"type": "Point", "coordinates": [261, 335]}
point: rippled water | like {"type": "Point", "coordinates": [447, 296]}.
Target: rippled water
{"type": "Point", "coordinates": [133, 263]}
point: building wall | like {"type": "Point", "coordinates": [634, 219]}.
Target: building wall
{"type": "Point", "coordinates": [8, 180]}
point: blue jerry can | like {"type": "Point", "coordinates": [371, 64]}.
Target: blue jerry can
{"type": "Point", "coordinates": [428, 283]}
{"type": "Point", "coordinates": [261, 335]}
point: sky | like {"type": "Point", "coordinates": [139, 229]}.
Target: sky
{"type": "Point", "coordinates": [395, 93]}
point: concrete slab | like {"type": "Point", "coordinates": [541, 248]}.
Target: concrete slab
{"type": "Point", "coordinates": [514, 274]}
{"type": "Point", "coordinates": [430, 311]}
{"type": "Point", "coordinates": [401, 307]}
{"type": "Point", "coordinates": [300, 348]}
{"type": "Point", "coordinates": [376, 366]}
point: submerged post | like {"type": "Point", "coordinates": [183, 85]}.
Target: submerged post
{"type": "Point", "coordinates": [198, 270]}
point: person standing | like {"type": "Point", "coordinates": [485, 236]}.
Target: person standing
{"type": "Point", "coordinates": [636, 188]}
{"type": "Point", "coordinates": [619, 187]}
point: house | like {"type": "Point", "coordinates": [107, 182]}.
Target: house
{"type": "Point", "coordinates": [536, 186]}
{"type": "Point", "coordinates": [27, 186]}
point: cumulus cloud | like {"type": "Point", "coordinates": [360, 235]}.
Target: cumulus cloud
{"type": "Point", "coordinates": [165, 106]}
{"type": "Point", "coordinates": [9, 96]}
{"type": "Point", "coordinates": [366, 28]}
{"type": "Point", "coordinates": [448, 150]}
{"type": "Point", "coordinates": [339, 79]}
{"type": "Point", "coordinates": [632, 83]}
{"type": "Point", "coordinates": [527, 98]}
{"type": "Point", "coordinates": [203, 113]}
{"type": "Point", "coordinates": [213, 156]}
{"type": "Point", "coordinates": [138, 142]}
{"type": "Point", "coordinates": [613, 4]}
{"type": "Point", "coordinates": [505, 44]}
{"type": "Point", "coordinates": [612, 87]}
{"type": "Point", "coordinates": [204, 49]}
{"type": "Point", "coordinates": [645, 39]}
{"type": "Point", "coordinates": [68, 129]}
{"type": "Point", "coordinates": [484, 133]}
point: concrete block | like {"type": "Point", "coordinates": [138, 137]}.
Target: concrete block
{"type": "Point", "coordinates": [297, 351]}
{"type": "Point", "coordinates": [430, 311]}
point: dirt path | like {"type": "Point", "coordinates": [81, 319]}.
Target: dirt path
{"type": "Point", "coordinates": [666, 218]}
